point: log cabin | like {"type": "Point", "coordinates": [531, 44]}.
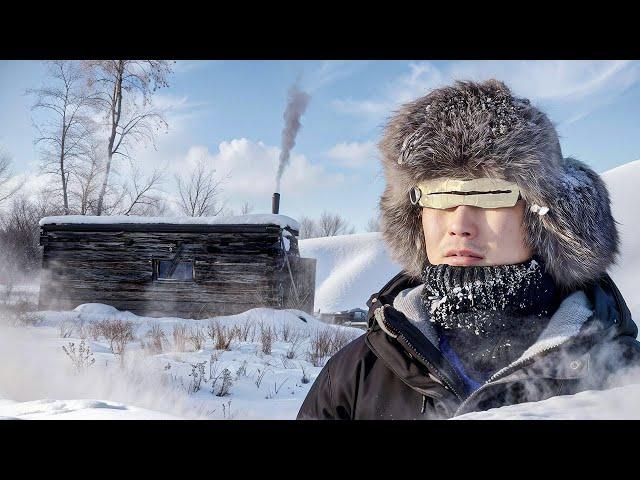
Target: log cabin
{"type": "Point", "coordinates": [187, 267]}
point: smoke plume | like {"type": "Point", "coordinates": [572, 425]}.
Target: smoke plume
{"type": "Point", "coordinates": [296, 106]}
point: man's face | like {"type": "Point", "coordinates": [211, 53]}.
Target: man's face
{"type": "Point", "coordinates": [493, 236]}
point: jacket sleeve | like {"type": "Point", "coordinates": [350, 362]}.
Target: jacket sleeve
{"type": "Point", "coordinates": [318, 404]}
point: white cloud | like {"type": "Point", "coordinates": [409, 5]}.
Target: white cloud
{"type": "Point", "coordinates": [575, 87]}
{"type": "Point", "coordinates": [354, 154]}
{"type": "Point", "coordinates": [188, 66]}
{"type": "Point", "coordinates": [251, 168]}
{"type": "Point", "coordinates": [331, 71]}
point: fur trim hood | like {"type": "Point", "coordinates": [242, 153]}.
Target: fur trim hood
{"type": "Point", "coordinates": [472, 130]}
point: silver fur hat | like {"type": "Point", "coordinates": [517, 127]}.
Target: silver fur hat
{"type": "Point", "coordinates": [472, 130]}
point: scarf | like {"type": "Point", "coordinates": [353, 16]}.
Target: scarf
{"type": "Point", "coordinates": [489, 315]}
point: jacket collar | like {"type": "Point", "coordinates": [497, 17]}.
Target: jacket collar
{"type": "Point", "coordinates": [586, 315]}
{"type": "Point", "coordinates": [604, 298]}
{"type": "Point", "coordinates": [565, 323]}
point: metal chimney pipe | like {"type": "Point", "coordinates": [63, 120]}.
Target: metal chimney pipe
{"type": "Point", "coordinates": [275, 203]}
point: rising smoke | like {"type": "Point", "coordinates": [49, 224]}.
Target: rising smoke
{"type": "Point", "coordinates": [296, 106]}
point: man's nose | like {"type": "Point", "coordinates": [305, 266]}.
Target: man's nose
{"type": "Point", "coordinates": [462, 221]}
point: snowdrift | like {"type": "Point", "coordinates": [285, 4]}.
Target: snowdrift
{"type": "Point", "coordinates": [622, 183]}
{"type": "Point", "coordinates": [349, 269]}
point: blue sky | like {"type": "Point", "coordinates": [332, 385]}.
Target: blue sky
{"type": "Point", "coordinates": [230, 112]}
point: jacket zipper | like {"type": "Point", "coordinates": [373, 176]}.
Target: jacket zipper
{"type": "Point", "coordinates": [434, 370]}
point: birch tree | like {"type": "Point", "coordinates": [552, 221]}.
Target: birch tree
{"type": "Point", "coordinates": [125, 89]}
{"type": "Point", "coordinates": [66, 127]}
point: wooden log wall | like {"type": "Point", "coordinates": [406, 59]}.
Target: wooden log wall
{"type": "Point", "coordinates": [235, 269]}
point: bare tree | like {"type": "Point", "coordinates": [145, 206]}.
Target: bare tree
{"type": "Point", "coordinates": [124, 89]}
{"type": "Point", "coordinates": [308, 228]}
{"type": "Point", "coordinates": [332, 224]}
{"type": "Point", "coordinates": [6, 191]}
{"type": "Point", "coordinates": [246, 208]}
{"type": "Point", "coordinates": [83, 190]}
{"type": "Point", "coordinates": [64, 133]}
{"type": "Point", "coordinates": [141, 193]}
{"type": "Point", "coordinates": [20, 235]}
{"type": "Point", "coordinates": [199, 191]}
{"type": "Point", "coordinates": [373, 225]}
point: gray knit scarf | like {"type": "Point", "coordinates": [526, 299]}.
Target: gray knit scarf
{"type": "Point", "coordinates": [489, 315]}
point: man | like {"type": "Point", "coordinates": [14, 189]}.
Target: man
{"type": "Point", "coordinates": [504, 296]}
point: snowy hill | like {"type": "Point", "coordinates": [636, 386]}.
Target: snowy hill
{"type": "Point", "coordinates": [622, 183]}
{"type": "Point", "coordinates": [349, 269]}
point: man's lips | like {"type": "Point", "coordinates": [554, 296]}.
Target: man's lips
{"type": "Point", "coordinates": [463, 253]}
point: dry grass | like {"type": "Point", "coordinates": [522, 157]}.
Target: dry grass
{"type": "Point", "coordinates": [267, 336]}
{"type": "Point", "coordinates": [156, 339]}
{"type": "Point", "coordinates": [180, 336]}
{"type": "Point", "coordinates": [118, 333]}
{"type": "Point", "coordinates": [327, 342]}
{"type": "Point", "coordinates": [220, 335]}
{"type": "Point", "coordinates": [197, 338]}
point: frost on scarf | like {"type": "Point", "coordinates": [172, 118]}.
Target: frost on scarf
{"type": "Point", "coordinates": [489, 314]}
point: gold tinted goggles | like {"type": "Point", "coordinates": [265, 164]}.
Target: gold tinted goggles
{"type": "Point", "coordinates": [479, 192]}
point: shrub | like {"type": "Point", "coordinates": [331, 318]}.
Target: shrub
{"type": "Point", "coordinates": [197, 338]}
{"type": "Point", "coordinates": [341, 337]}
{"type": "Point", "coordinates": [227, 383]}
{"type": "Point", "coordinates": [118, 333]}
{"type": "Point", "coordinates": [242, 370]}
{"type": "Point", "coordinates": [156, 338]}
{"type": "Point", "coordinates": [242, 332]}
{"type": "Point", "coordinates": [81, 359]}
{"type": "Point", "coordinates": [197, 376]}
{"type": "Point", "coordinates": [180, 335]}
{"type": "Point", "coordinates": [267, 335]}
{"type": "Point", "coordinates": [295, 339]}
{"type": "Point", "coordinates": [94, 330]}
{"type": "Point", "coordinates": [66, 328]}
{"type": "Point", "coordinates": [221, 335]}
{"type": "Point", "coordinates": [320, 346]}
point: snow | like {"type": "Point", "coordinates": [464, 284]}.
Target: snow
{"type": "Point", "coordinates": [76, 410]}
{"type": "Point", "coordinates": [249, 219]}
{"type": "Point", "coordinates": [620, 403]}
{"type": "Point", "coordinates": [37, 380]}
{"type": "Point", "coordinates": [349, 269]}
{"type": "Point", "coordinates": [622, 183]}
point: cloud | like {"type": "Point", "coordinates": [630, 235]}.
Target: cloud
{"type": "Point", "coordinates": [182, 67]}
{"type": "Point", "coordinates": [331, 71]}
{"type": "Point", "coordinates": [354, 154]}
{"type": "Point", "coordinates": [573, 88]}
{"type": "Point", "coordinates": [250, 170]}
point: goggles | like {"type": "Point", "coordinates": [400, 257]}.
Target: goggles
{"type": "Point", "coordinates": [480, 192]}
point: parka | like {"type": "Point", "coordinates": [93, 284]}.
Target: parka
{"type": "Point", "coordinates": [394, 371]}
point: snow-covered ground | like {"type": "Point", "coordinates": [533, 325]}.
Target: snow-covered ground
{"type": "Point", "coordinates": [620, 403]}
{"type": "Point", "coordinates": [38, 380]}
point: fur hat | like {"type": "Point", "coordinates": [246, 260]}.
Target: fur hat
{"type": "Point", "coordinates": [472, 130]}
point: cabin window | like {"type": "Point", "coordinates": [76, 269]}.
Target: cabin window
{"type": "Point", "coordinates": [169, 270]}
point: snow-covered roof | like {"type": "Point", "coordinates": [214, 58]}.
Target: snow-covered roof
{"type": "Point", "coordinates": [250, 219]}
